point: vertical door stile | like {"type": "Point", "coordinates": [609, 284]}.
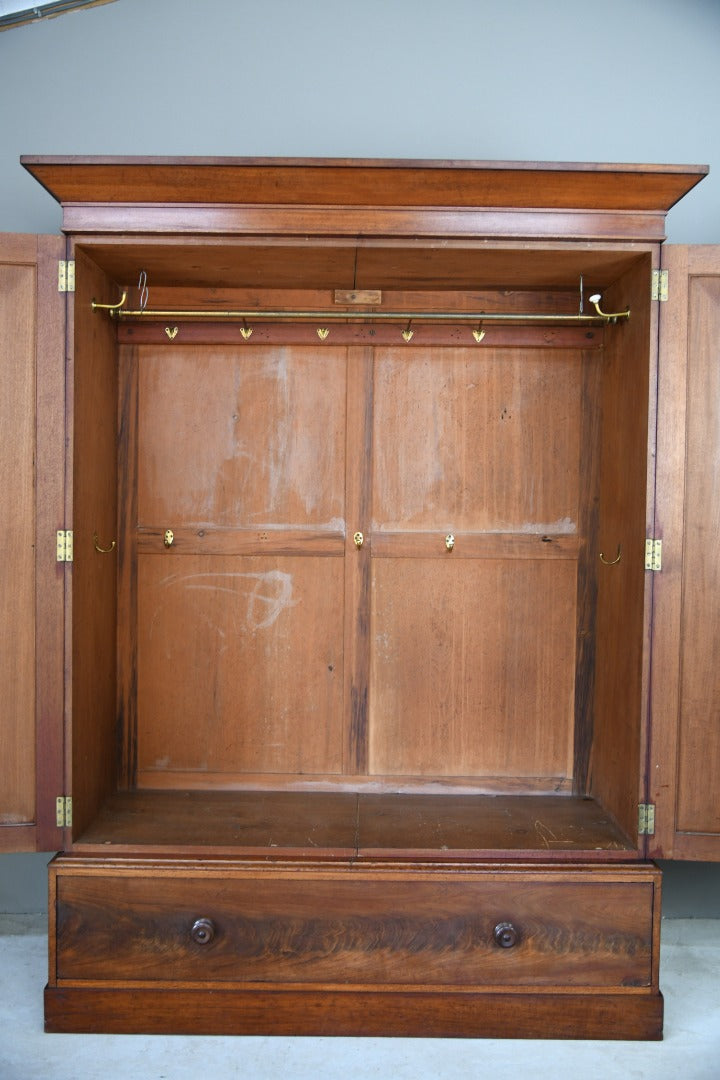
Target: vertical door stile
{"type": "Point", "coordinates": [127, 564]}
{"type": "Point", "coordinates": [654, 466]}
{"type": "Point", "coordinates": [358, 508]}
{"type": "Point", "coordinates": [588, 526]}
{"type": "Point", "coordinates": [667, 589]}
{"type": "Point", "coordinates": [51, 580]}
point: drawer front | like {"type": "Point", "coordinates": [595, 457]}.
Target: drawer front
{"type": "Point", "coordinates": [349, 928]}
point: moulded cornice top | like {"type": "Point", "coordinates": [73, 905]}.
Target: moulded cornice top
{"type": "Point", "coordinates": [363, 182]}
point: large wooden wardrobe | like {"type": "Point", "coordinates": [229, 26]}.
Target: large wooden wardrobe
{"type": "Point", "coordinates": [361, 591]}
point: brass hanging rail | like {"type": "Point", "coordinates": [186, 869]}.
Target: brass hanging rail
{"type": "Point", "coordinates": [600, 318]}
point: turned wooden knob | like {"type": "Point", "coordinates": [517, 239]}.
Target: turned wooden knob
{"type": "Point", "coordinates": [505, 935]}
{"type": "Point", "coordinates": [203, 931]}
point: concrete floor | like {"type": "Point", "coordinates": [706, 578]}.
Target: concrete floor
{"type": "Point", "coordinates": [690, 980]}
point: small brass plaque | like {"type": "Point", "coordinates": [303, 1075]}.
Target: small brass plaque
{"type": "Point", "coordinates": [358, 296]}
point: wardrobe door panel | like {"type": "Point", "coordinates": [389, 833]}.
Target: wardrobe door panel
{"type": "Point", "coordinates": [32, 429]}
{"type": "Point", "coordinates": [685, 772]}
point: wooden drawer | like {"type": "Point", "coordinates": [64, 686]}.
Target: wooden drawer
{"type": "Point", "coordinates": [466, 928]}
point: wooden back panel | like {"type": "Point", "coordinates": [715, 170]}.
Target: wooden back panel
{"type": "Point", "coordinates": [240, 623]}
{"type": "Point", "coordinates": [473, 648]}
{"type": "Point", "coordinates": [473, 667]}
{"type": "Point", "coordinates": [477, 440]}
{"type": "Point", "coordinates": [245, 437]}
{"type": "Point", "coordinates": [239, 666]}
{"type": "Point", "coordinates": [254, 456]}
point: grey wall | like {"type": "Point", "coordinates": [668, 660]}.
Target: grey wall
{"type": "Point", "coordinates": [625, 80]}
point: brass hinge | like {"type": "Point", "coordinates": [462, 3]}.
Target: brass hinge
{"type": "Point", "coordinates": [66, 275]}
{"type": "Point", "coordinates": [646, 819]}
{"type": "Point", "coordinates": [63, 811]}
{"type": "Point", "coordinates": [653, 554]}
{"type": "Point", "coordinates": [64, 545]}
{"type": "Point", "coordinates": [659, 286]}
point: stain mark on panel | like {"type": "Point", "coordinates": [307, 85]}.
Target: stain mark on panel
{"type": "Point", "coordinates": [267, 593]}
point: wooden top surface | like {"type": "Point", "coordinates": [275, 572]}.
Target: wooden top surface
{"type": "Point", "coordinates": [364, 182]}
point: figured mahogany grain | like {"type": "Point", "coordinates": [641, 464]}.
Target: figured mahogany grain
{"type": "Point", "coordinates": [356, 928]}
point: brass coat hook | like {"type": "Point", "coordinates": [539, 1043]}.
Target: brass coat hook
{"type": "Point", "coordinates": [608, 316]}
{"type": "Point", "coordinates": [612, 562]}
{"type": "Point", "coordinates": [100, 548]}
{"type": "Point", "coordinates": [110, 307]}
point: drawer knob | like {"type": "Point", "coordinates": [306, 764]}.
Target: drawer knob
{"type": "Point", "coordinates": [505, 935]}
{"type": "Point", "coordinates": [203, 931]}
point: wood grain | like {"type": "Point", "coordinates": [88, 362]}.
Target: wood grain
{"type": "Point", "coordinates": [358, 503]}
{"type": "Point", "coordinates": [213, 634]}
{"type": "Point", "coordinates": [370, 333]}
{"type": "Point", "coordinates": [354, 928]}
{"type": "Point", "coordinates": [438, 824]}
{"type": "Point", "coordinates": [232, 437]}
{"type": "Point", "coordinates": [51, 579]}
{"type": "Point", "coordinates": [32, 422]}
{"type": "Point", "coordinates": [396, 223]}
{"type": "Point", "coordinates": [472, 667]}
{"type": "Point", "coordinates": [373, 182]}
{"type": "Point", "coordinates": [698, 805]}
{"type": "Point", "coordinates": [588, 503]}
{"type": "Point", "coordinates": [478, 440]}
{"type": "Point", "coordinates": [228, 271]}
{"type": "Point", "coordinates": [270, 823]}
{"type": "Point", "coordinates": [18, 314]}
{"type": "Point", "coordinates": [464, 826]}
{"type": "Point", "coordinates": [127, 566]}
{"type": "Point", "coordinates": [355, 1013]}
{"type": "Point", "coordinates": [92, 494]}
{"type": "Point", "coordinates": [625, 460]}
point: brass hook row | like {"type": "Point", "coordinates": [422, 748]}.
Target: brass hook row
{"type": "Point", "coordinates": [171, 332]}
{"type": "Point", "coordinates": [358, 538]}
